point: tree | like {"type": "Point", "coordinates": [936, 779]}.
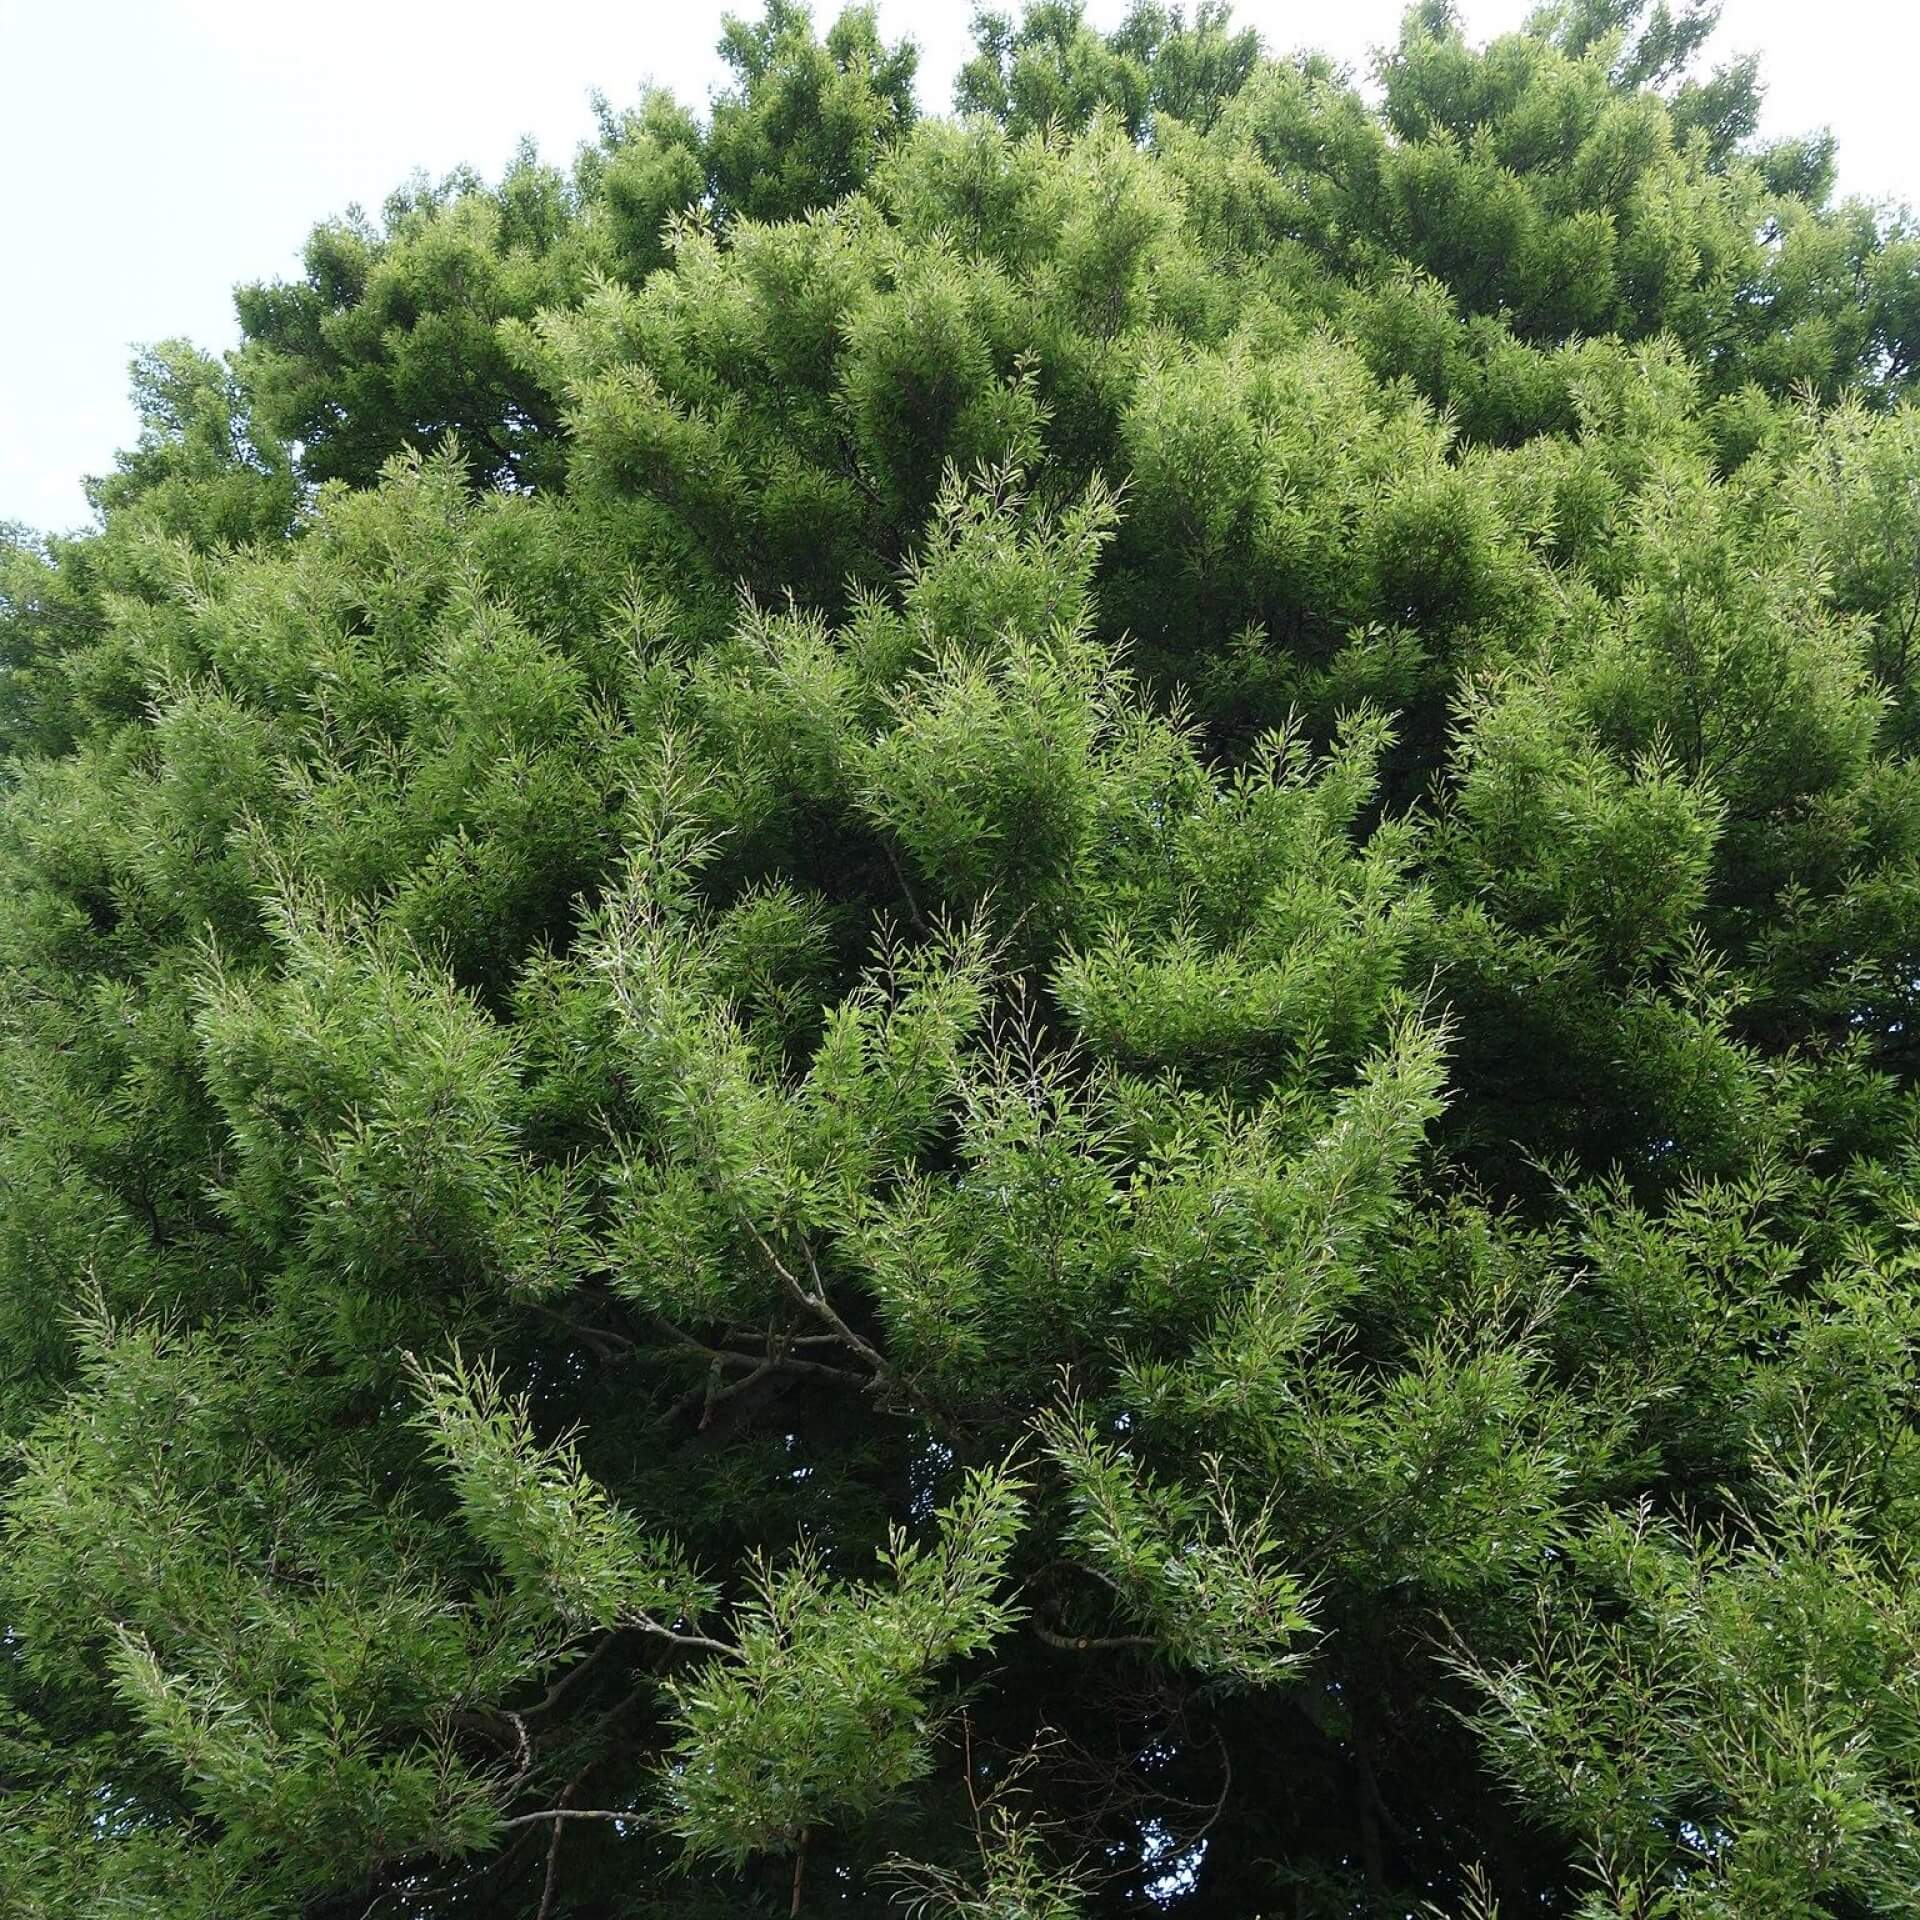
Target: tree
{"type": "Point", "coordinates": [989, 1016]}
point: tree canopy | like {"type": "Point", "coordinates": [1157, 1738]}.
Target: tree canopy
{"type": "Point", "coordinates": [1005, 1016]}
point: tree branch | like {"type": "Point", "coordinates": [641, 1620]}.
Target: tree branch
{"type": "Point", "coordinates": [566, 1682]}
{"type": "Point", "coordinates": [780, 1361]}
{"type": "Point", "coordinates": [1090, 1642]}
{"type": "Point", "coordinates": [558, 1814]}
{"type": "Point", "coordinates": [552, 1883]}
{"type": "Point", "coordinates": [699, 1642]}
{"type": "Point", "coordinates": [818, 1304]}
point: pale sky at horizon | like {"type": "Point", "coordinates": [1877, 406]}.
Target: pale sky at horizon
{"type": "Point", "coordinates": [158, 152]}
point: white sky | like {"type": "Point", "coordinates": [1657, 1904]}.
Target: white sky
{"type": "Point", "coordinates": [156, 152]}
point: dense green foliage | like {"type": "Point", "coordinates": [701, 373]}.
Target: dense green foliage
{"type": "Point", "coordinates": [996, 1016]}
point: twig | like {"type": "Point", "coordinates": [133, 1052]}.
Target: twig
{"type": "Point", "coordinates": [781, 1362]}
{"type": "Point", "coordinates": [1226, 1787]}
{"type": "Point", "coordinates": [818, 1304]}
{"type": "Point", "coordinates": [755, 1363]}
{"type": "Point", "coordinates": [489, 1721]}
{"type": "Point", "coordinates": [552, 1883]}
{"type": "Point", "coordinates": [608, 1344]}
{"type": "Point", "coordinates": [906, 890]}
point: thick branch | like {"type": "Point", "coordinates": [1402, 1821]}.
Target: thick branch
{"type": "Point", "coordinates": [1091, 1642]}
{"type": "Point", "coordinates": [569, 1813]}
{"type": "Point", "coordinates": [568, 1680]}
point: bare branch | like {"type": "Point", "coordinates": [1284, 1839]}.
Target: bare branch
{"type": "Point", "coordinates": [817, 1303]}
{"type": "Point", "coordinates": [570, 1813]}
{"type": "Point", "coordinates": [699, 1642]}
